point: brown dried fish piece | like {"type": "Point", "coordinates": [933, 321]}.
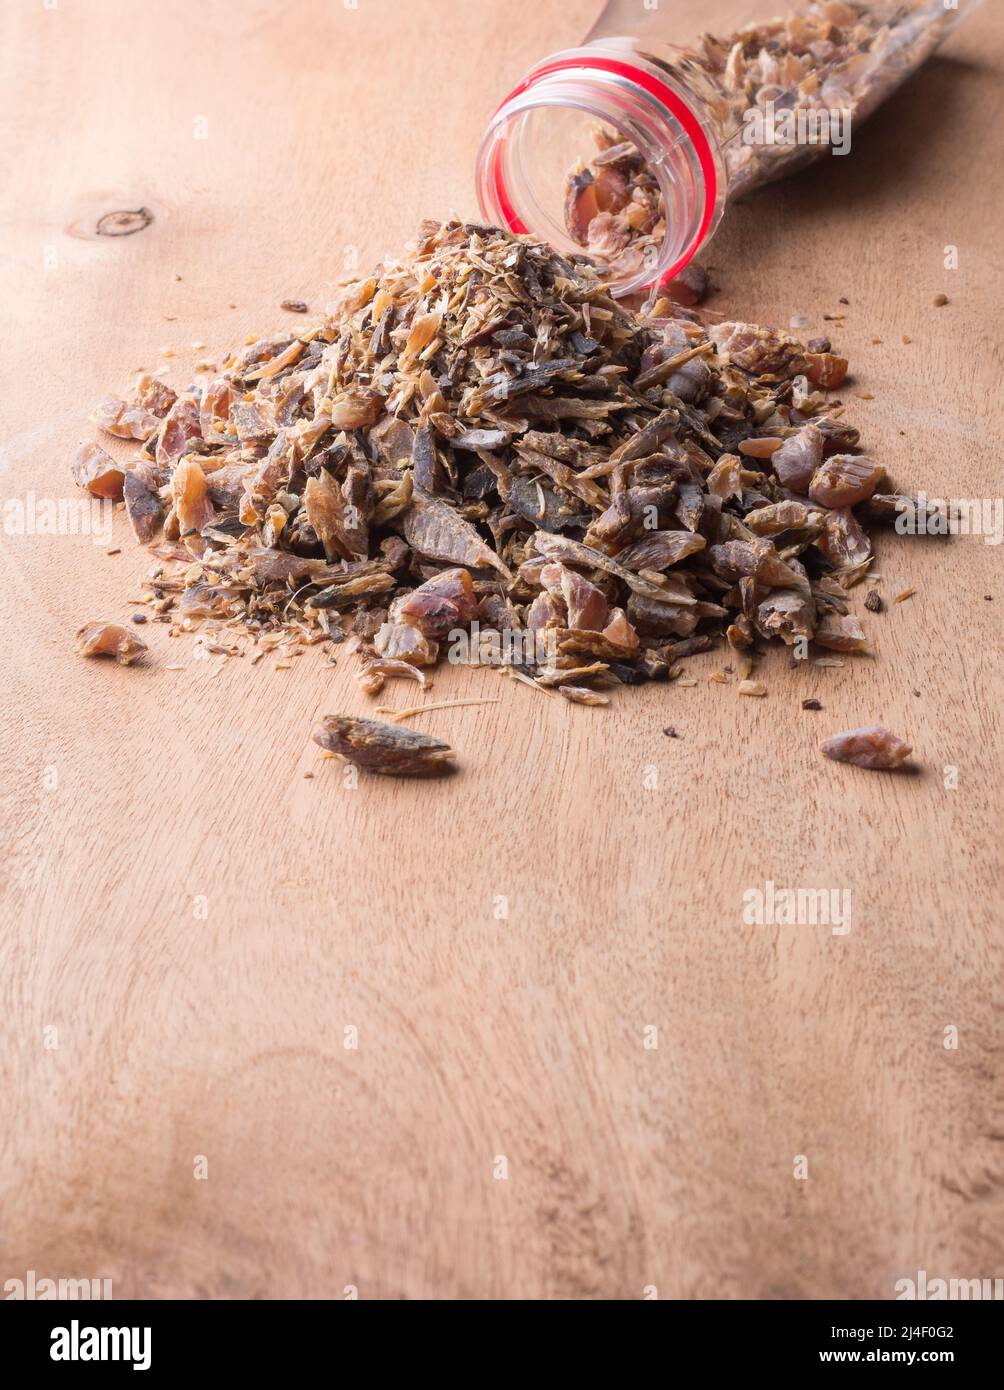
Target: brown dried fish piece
{"type": "Point", "coordinates": [841, 633]}
{"type": "Point", "coordinates": [189, 495]}
{"type": "Point", "coordinates": [428, 472]}
{"type": "Point", "coordinates": [254, 421]}
{"type": "Point", "coordinates": [542, 506]}
{"type": "Point", "coordinates": [620, 631]}
{"type": "Point", "coordinates": [826, 369]}
{"type": "Point", "coordinates": [205, 601]}
{"type": "Point", "coordinates": [885, 507]}
{"type": "Point", "coordinates": [225, 485]}
{"type": "Point", "coordinates": [585, 605]}
{"type": "Point", "coordinates": [386, 749]}
{"type": "Point", "coordinates": [589, 492]}
{"type": "Point", "coordinates": [357, 493]}
{"type": "Point", "coordinates": [476, 439]}
{"type": "Point", "coordinates": [546, 611]}
{"type": "Point", "coordinates": [660, 549]}
{"type": "Point", "coordinates": [788, 614]}
{"type": "Point", "coordinates": [356, 410]}
{"type": "Point", "coordinates": [440, 605]}
{"type": "Point", "coordinates": [582, 695]}
{"type": "Point", "coordinates": [110, 639]}
{"type": "Point", "coordinates": [345, 592]}
{"type": "Point", "coordinates": [798, 458]}
{"type": "Point", "coordinates": [434, 528]}
{"type": "Point", "coordinates": [596, 644]}
{"type": "Point", "coordinates": [125, 421]}
{"type": "Point", "coordinates": [843, 541]}
{"type": "Point", "coordinates": [581, 205]}
{"type": "Point", "coordinates": [778, 517]}
{"type": "Point", "coordinates": [726, 478]}
{"type": "Point", "coordinates": [217, 400]}
{"type": "Point", "coordinates": [691, 382]}
{"type": "Point", "coordinates": [421, 334]}
{"type": "Point", "coordinates": [394, 439]}
{"type": "Point", "coordinates": [871, 747]}
{"type": "Point", "coordinates": [759, 559]}
{"type": "Point", "coordinates": [404, 641]}
{"type": "Point", "coordinates": [383, 666]}
{"type": "Point", "coordinates": [143, 504]}
{"type": "Point", "coordinates": [371, 681]}
{"type": "Point", "coordinates": [653, 619]}
{"type": "Point", "coordinates": [760, 446]}
{"type": "Point", "coordinates": [278, 362]}
{"type": "Point", "coordinates": [324, 507]}
{"type": "Point", "coordinates": [616, 526]}
{"type": "Point", "coordinates": [763, 352]}
{"type": "Point", "coordinates": [269, 565]}
{"type": "Point", "coordinates": [180, 425]}
{"type": "Point", "coordinates": [154, 395]}
{"type": "Point", "coordinates": [97, 472]}
{"type": "Point", "coordinates": [575, 553]}
{"type": "Point", "coordinates": [843, 480]}
{"type": "Point", "coordinates": [838, 435]}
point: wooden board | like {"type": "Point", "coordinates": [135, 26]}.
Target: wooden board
{"type": "Point", "coordinates": [140, 1035]}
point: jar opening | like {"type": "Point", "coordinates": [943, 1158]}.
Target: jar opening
{"type": "Point", "coordinates": [544, 130]}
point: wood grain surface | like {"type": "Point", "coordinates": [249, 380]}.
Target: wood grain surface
{"type": "Point", "coordinates": [181, 1112]}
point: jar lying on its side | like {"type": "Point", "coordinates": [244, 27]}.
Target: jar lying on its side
{"type": "Point", "coordinates": [628, 149]}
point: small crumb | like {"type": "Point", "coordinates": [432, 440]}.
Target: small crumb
{"type": "Point", "coordinates": [843, 300]}
{"type": "Point", "coordinates": [827, 661]}
{"type": "Point", "coordinates": [308, 775]}
{"type": "Point", "coordinates": [799, 321]}
{"type": "Point", "coordinates": [177, 277]}
{"type": "Point", "coordinates": [915, 692]}
{"type": "Point", "coordinates": [171, 318]}
{"type": "Point", "coordinates": [197, 347]}
{"type": "Point", "coordinates": [907, 339]}
{"type": "Point", "coordinates": [719, 678]}
{"type": "Point", "coordinates": [907, 593]}
{"type": "Point", "coordinates": [864, 395]}
{"type": "Point", "coordinates": [940, 299]}
{"type": "Point", "coordinates": [873, 601]}
{"type": "Point", "coordinates": [231, 306]}
{"type": "Point", "coordinates": [294, 306]}
{"type": "Point", "coordinates": [670, 731]}
{"type": "Point", "coordinates": [205, 367]}
{"type": "Point", "coordinates": [174, 668]}
{"type": "Point", "coordinates": [117, 550]}
{"type": "Point", "coordinates": [139, 617]}
{"type": "Point", "coordinates": [756, 688]}
{"type": "Point", "coordinates": [989, 597]}
{"type": "Point", "coordinates": [835, 318]}
{"type": "Point", "coordinates": [811, 704]}
{"type": "Point", "coordinates": [876, 342]}
{"type": "Point", "coordinates": [283, 666]}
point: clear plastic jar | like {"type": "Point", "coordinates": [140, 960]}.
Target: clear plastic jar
{"type": "Point", "coordinates": [705, 124]}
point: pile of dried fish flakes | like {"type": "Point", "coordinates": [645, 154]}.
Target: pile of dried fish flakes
{"type": "Point", "coordinates": [480, 433]}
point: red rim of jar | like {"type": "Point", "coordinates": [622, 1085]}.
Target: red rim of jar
{"type": "Point", "coordinates": [673, 103]}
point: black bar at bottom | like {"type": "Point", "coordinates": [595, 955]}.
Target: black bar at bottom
{"type": "Point", "coordinates": [170, 1338]}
